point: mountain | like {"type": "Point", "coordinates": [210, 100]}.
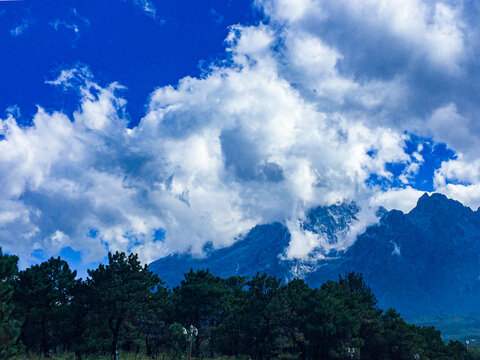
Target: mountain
{"type": "Point", "coordinates": [258, 251]}
{"type": "Point", "coordinates": [262, 249]}
{"type": "Point", "coordinates": [425, 262]}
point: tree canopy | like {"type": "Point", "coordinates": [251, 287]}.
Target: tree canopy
{"type": "Point", "coordinates": [122, 305]}
{"type": "Point", "coordinates": [9, 326]}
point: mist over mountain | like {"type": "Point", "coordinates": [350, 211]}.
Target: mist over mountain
{"type": "Point", "coordinates": [425, 262]}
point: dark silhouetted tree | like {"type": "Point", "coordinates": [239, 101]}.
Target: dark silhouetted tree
{"type": "Point", "coordinates": [122, 293]}
{"type": "Point", "coordinates": [9, 326]}
{"type": "Point", "coordinates": [43, 294]}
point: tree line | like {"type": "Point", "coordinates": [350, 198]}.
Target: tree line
{"type": "Point", "coordinates": [121, 305]}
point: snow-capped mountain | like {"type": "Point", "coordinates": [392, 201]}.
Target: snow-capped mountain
{"type": "Point", "coordinates": [424, 262]}
{"type": "Point", "coordinates": [263, 249]}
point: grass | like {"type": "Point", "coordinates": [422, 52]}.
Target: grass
{"type": "Point", "coordinates": [121, 356]}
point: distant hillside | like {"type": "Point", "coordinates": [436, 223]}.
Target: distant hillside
{"type": "Point", "coordinates": [426, 262]}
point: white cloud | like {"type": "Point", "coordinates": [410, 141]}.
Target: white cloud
{"type": "Point", "coordinates": [21, 28]}
{"type": "Point", "coordinates": [57, 24]}
{"type": "Point", "coordinates": [288, 123]}
{"type": "Point", "coordinates": [433, 29]}
{"type": "Point", "coordinates": [147, 6]}
{"type": "Point", "coordinates": [287, 10]}
{"type": "Point", "coordinates": [303, 242]}
{"type": "Point", "coordinates": [460, 179]}
{"type": "Point", "coordinates": [399, 199]}
{"type": "Point", "coordinates": [447, 125]}
{"type": "Point", "coordinates": [175, 170]}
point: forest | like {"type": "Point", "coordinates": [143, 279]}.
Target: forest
{"type": "Point", "coordinates": [123, 308]}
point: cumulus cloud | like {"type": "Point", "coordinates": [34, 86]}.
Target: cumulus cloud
{"type": "Point", "coordinates": [460, 179]}
{"type": "Point", "coordinates": [430, 29]}
{"type": "Point", "coordinates": [303, 112]}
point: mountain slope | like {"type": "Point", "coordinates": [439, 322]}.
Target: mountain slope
{"type": "Point", "coordinates": [262, 249]}
{"type": "Point", "coordinates": [425, 262]}
{"type": "Point", "coordinates": [258, 251]}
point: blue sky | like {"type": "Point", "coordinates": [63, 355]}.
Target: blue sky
{"type": "Point", "coordinates": [118, 40]}
{"type": "Point", "coordinates": [158, 126]}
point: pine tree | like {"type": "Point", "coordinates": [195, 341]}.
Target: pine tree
{"type": "Point", "coordinates": [123, 292]}
{"type": "Point", "coordinates": [43, 294]}
{"type": "Point", "coordinates": [9, 327]}
{"type": "Point", "coordinates": [200, 302]}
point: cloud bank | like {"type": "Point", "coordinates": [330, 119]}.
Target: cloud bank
{"type": "Point", "coordinates": [313, 106]}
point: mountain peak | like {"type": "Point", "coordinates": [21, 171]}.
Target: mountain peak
{"type": "Point", "coordinates": [438, 203]}
{"type": "Point", "coordinates": [424, 198]}
{"type": "Point", "coordinates": [435, 199]}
